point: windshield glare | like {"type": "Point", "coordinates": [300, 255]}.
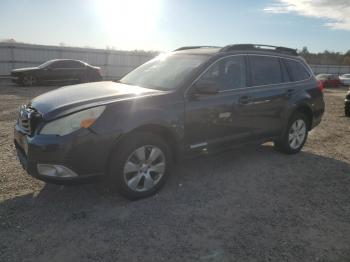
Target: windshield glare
{"type": "Point", "coordinates": [164, 72]}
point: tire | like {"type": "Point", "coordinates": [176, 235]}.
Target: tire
{"type": "Point", "coordinates": [28, 80]}
{"type": "Point", "coordinates": [295, 136]}
{"type": "Point", "coordinates": [347, 111]}
{"type": "Point", "coordinates": [140, 165]}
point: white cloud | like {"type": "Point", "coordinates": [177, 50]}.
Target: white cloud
{"type": "Point", "coordinates": [337, 12]}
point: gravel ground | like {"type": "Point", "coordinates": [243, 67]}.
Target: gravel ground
{"type": "Point", "coordinates": [248, 204]}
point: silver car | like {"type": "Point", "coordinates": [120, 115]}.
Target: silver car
{"type": "Point", "coordinates": [345, 79]}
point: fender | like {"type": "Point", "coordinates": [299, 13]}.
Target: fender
{"type": "Point", "coordinates": [302, 101]}
{"type": "Point", "coordinates": [167, 113]}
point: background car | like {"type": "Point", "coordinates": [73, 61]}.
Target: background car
{"type": "Point", "coordinates": [328, 80]}
{"type": "Point", "coordinates": [345, 79]}
{"type": "Point", "coordinates": [57, 71]}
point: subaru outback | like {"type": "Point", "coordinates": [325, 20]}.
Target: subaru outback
{"type": "Point", "coordinates": [178, 104]}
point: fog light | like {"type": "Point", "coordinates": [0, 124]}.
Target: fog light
{"type": "Point", "coordinates": [55, 171]}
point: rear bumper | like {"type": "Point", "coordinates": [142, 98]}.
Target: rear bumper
{"type": "Point", "coordinates": [84, 153]}
{"type": "Point", "coordinates": [345, 82]}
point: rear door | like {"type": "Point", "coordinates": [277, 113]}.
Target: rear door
{"type": "Point", "coordinates": [76, 70]}
{"type": "Point", "coordinates": [266, 96]}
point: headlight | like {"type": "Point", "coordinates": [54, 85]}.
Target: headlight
{"type": "Point", "coordinates": [71, 123]}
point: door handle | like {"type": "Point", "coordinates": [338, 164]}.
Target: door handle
{"type": "Point", "coordinates": [243, 100]}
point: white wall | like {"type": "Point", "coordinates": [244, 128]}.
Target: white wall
{"type": "Point", "coordinates": [330, 69]}
{"type": "Point", "coordinates": [114, 64]}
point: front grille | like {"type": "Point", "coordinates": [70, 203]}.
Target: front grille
{"type": "Point", "coordinates": [28, 119]}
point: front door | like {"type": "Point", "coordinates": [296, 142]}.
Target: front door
{"type": "Point", "coordinates": [217, 117]}
{"type": "Point", "coordinates": [58, 72]}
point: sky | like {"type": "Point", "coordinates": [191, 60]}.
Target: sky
{"type": "Point", "coordinates": [164, 25]}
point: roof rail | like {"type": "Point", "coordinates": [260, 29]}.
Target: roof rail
{"type": "Point", "coordinates": [277, 49]}
{"type": "Point", "coordinates": [195, 47]}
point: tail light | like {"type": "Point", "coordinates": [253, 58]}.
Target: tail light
{"type": "Point", "coordinates": [320, 85]}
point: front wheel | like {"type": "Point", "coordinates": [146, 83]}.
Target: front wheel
{"type": "Point", "coordinates": [28, 80]}
{"type": "Point", "coordinates": [295, 136]}
{"type": "Point", "coordinates": [140, 165]}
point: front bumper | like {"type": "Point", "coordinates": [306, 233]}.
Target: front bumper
{"type": "Point", "coordinates": [83, 152]}
{"type": "Point", "coordinates": [15, 79]}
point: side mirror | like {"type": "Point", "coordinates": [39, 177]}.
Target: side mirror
{"type": "Point", "coordinates": [206, 87]}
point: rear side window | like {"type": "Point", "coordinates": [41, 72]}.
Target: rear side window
{"type": "Point", "coordinates": [265, 70]}
{"type": "Point", "coordinates": [296, 70]}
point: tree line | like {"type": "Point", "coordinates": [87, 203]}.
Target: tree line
{"type": "Point", "coordinates": [326, 57]}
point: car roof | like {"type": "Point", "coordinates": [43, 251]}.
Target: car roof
{"type": "Point", "coordinates": [64, 59]}
{"type": "Point", "coordinates": [200, 51]}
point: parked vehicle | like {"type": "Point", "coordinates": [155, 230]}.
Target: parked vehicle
{"type": "Point", "coordinates": [329, 80]}
{"type": "Point", "coordinates": [175, 105]}
{"type": "Point", "coordinates": [57, 71]}
{"type": "Point", "coordinates": [347, 104]}
{"type": "Point", "coordinates": [345, 79]}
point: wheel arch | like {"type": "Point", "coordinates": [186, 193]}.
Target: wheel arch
{"type": "Point", "coordinates": [307, 111]}
{"type": "Point", "coordinates": [165, 133]}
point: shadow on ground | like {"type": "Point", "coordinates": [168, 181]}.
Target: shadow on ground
{"type": "Point", "coordinates": [248, 204]}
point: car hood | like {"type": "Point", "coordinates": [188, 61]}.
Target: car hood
{"type": "Point", "coordinates": [24, 69]}
{"type": "Point", "coordinates": [69, 99]}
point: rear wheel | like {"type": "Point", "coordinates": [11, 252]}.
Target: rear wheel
{"type": "Point", "coordinates": [295, 136]}
{"type": "Point", "coordinates": [140, 165]}
{"type": "Point", "coordinates": [28, 80]}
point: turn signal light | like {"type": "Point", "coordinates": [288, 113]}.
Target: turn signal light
{"type": "Point", "coordinates": [87, 122]}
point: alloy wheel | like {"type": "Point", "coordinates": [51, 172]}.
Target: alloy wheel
{"type": "Point", "coordinates": [144, 168]}
{"type": "Point", "coordinates": [28, 80]}
{"type": "Point", "coordinates": [297, 134]}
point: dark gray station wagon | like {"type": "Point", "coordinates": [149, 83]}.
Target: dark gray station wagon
{"type": "Point", "coordinates": [180, 103]}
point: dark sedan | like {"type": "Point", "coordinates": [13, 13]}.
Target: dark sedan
{"type": "Point", "coordinates": [57, 71]}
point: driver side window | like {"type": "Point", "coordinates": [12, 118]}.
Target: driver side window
{"type": "Point", "coordinates": [228, 73]}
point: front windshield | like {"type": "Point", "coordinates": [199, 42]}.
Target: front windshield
{"type": "Point", "coordinates": [164, 72]}
{"type": "Point", "coordinates": [45, 64]}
